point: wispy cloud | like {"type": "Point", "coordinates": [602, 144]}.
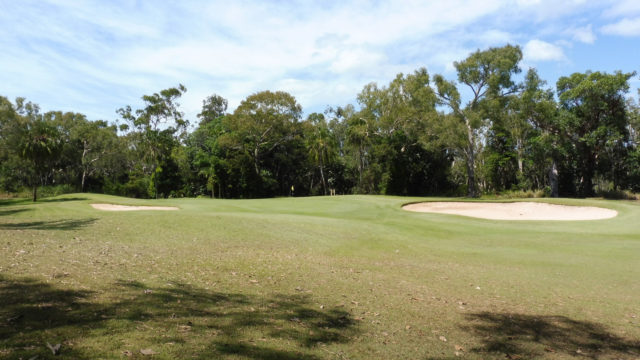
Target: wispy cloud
{"type": "Point", "coordinates": [583, 34]}
{"type": "Point", "coordinates": [538, 50]}
{"type": "Point", "coordinates": [624, 27]}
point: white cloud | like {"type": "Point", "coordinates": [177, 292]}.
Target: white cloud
{"type": "Point", "coordinates": [624, 27]}
{"type": "Point", "coordinates": [538, 50]}
{"type": "Point", "coordinates": [623, 8]}
{"type": "Point", "coordinates": [583, 34]}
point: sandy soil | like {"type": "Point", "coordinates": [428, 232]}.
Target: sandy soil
{"type": "Point", "coordinates": [514, 211]}
{"type": "Point", "coordinates": [112, 207]}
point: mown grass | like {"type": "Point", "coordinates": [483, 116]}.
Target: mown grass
{"type": "Point", "coordinates": [346, 277]}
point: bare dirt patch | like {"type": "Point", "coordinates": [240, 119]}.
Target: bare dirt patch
{"type": "Point", "coordinates": [514, 210]}
{"type": "Point", "coordinates": [113, 207]}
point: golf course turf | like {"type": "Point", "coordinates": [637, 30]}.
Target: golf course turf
{"type": "Point", "coordinates": [343, 277]}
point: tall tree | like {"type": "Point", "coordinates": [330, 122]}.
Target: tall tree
{"type": "Point", "coordinates": [40, 145]}
{"type": "Point", "coordinates": [262, 127]}
{"type": "Point", "coordinates": [206, 153]}
{"type": "Point", "coordinates": [213, 107]}
{"type": "Point", "coordinates": [488, 75]}
{"type": "Point", "coordinates": [157, 126]}
{"type": "Point", "coordinates": [531, 120]}
{"type": "Point", "coordinates": [321, 146]}
{"type": "Point", "coordinates": [595, 118]}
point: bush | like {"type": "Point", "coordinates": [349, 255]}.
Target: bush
{"type": "Point", "coordinates": [618, 195]}
{"type": "Point", "coordinates": [521, 194]}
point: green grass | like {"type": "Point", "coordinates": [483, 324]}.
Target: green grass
{"type": "Point", "coordinates": [346, 277]}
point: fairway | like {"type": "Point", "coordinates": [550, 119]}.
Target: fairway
{"type": "Point", "coordinates": [341, 277]}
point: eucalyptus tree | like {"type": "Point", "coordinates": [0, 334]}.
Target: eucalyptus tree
{"type": "Point", "coordinates": [40, 145]}
{"type": "Point", "coordinates": [265, 130]}
{"type": "Point", "coordinates": [12, 170]}
{"type": "Point", "coordinates": [632, 162]}
{"type": "Point", "coordinates": [320, 145]}
{"type": "Point", "coordinates": [531, 120]}
{"type": "Point", "coordinates": [213, 107]}
{"type": "Point", "coordinates": [204, 150]}
{"type": "Point", "coordinates": [488, 76]}
{"type": "Point", "coordinates": [595, 120]}
{"type": "Point", "coordinates": [157, 127]}
{"type": "Point", "coordinates": [100, 148]}
{"type": "Point", "coordinates": [400, 158]}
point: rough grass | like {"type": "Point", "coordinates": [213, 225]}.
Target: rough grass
{"type": "Point", "coordinates": [351, 277]}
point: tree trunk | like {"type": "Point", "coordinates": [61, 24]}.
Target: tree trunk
{"type": "Point", "coordinates": [519, 151]}
{"type": "Point", "coordinates": [84, 175]}
{"type": "Point", "coordinates": [553, 179]}
{"type": "Point", "coordinates": [255, 160]}
{"type": "Point", "coordinates": [471, 159]}
{"type": "Point", "coordinates": [35, 190]}
{"type": "Point", "coordinates": [155, 180]}
{"type": "Point", "coordinates": [586, 173]}
{"type": "Point", "coordinates": [324, 183]}
{"type": "Point", "coordinates": [311, 185]}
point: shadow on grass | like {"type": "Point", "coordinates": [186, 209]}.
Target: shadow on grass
{"type": "Point", "coordinates": [13, 201]}
{"type": "Point", "coordinates": [64, 224]}
{"type": "Point", "coordinates": [64, 199]}
{"type": "Point", "coordinates": [27, 201]}
{"type": "Point", "coordinates": [530, 336]}
{"type": "Point", "coordinates": [12, 211]}
{"type": "Point", "coordinates": [176, 321]}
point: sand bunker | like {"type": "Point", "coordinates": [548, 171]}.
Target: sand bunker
{"type": "Point", "coordinates": [112, 207]}
{"type": "Point", "coordinates": [514, 210]}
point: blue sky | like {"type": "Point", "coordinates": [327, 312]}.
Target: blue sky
{"type": "Point", "coordinates": [96, 56]}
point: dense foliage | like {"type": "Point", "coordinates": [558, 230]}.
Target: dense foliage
{"type": "Point", "coordinates": [487, 132]}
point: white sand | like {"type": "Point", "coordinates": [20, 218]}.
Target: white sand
{"type": "Point", "coordinates": [113, 207]}
{"type": "Point", "coordinates": [514, 210]}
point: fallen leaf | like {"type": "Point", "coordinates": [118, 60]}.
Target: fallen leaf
{"type": "Point", "coordinates": [442, 338]}
{"type": "Point", "coordinates": [147, 352]}
{"type": "Point", "coordinates": [148, 291]}
{"type": "Point", "coordinates": [459, 348]}
{"type": "Point", "coordinates": [127, 353]}
{"type": "Point", "coordinates": [407, 327]}
{"type": "Point", "coordinates": [458, 353]}
{"type": "Point", "coordinates": [548, 349]}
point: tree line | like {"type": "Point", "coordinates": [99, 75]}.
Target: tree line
{"type": "Point", "coordinates": [488, 131]}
